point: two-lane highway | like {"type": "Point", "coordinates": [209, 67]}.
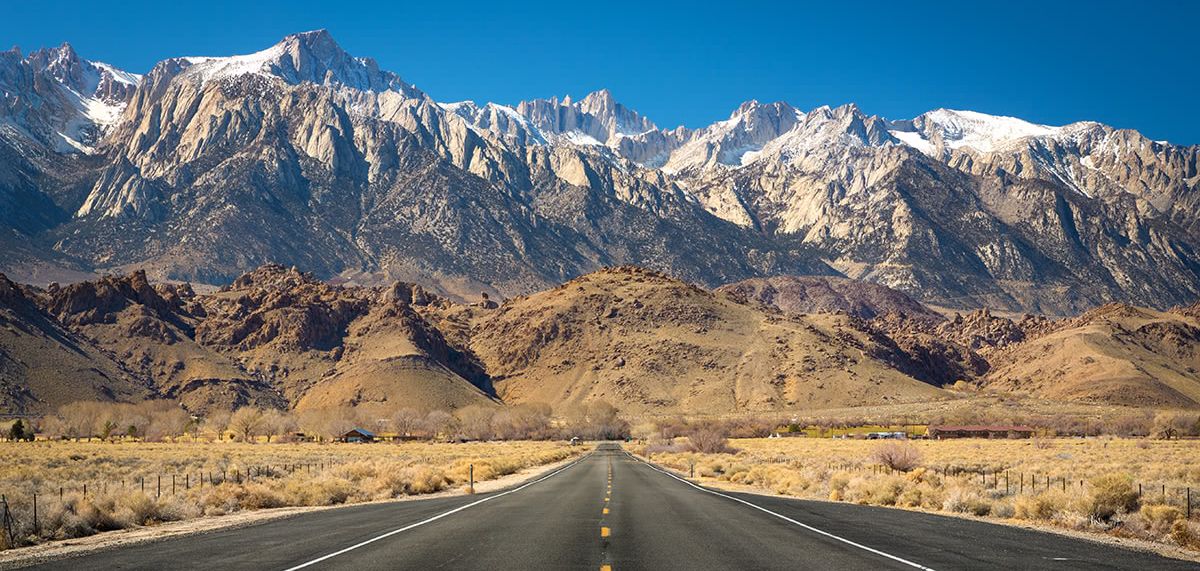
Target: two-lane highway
{"type": "Point", "coordinates": [611, 511]}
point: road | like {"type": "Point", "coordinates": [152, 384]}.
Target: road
{"type": "Point", "coordinates": [610, 509]}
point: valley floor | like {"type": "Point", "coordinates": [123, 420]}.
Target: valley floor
{"type": "Point", "coordinates": [1129, 488]}
{"type": "Point", "coordinates": [83, 488]}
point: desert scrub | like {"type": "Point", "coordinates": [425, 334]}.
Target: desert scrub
{"type": "Point", "coordinates": [210, 479]}
{"type": "Point", "coordinates": [1101, 484]}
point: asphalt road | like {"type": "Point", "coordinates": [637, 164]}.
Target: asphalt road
{"type": "Point", "coordinates": [609, 509]}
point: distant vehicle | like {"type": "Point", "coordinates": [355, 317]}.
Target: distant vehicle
{"type": "Point", "coordinates": [574, 441]}
{"type": "Point", "coordinates": [887, 436]}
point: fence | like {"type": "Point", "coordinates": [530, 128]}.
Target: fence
{"type": "Point", "coordinates": [1018, 482]}
{"type": "Point", "coordinates": [157, 485]}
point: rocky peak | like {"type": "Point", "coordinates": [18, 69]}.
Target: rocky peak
{"type": "Point", "coordinates": [737, 140]}
{"type": "Point", "coordinates": [99, 301]}
{"type": "Point", "coordinates": [597, 116]}
{"type": "Point", "coordinates": [61, 63]}
{"type": "Point", "coordinates": [308, 57]}
{"type": "Point", "coordinates": [273, 276]}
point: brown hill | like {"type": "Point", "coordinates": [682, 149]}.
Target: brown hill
{"type": "Point", "coordinates": [647, 342]}
{"type": "Point", "coordinates": [150, 330]}
{"type": "Point", "coordinates": [324, 345]}
{"type": "Point", "coordinates": [44, 365]}
{"type": "Point", "coordinates": [1114, 354]}
{"type": "Point", "coordinates": [828, 294]}
{"type": "Point", "coordinates": [639, 339]}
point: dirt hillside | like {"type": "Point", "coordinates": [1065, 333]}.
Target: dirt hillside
{"type": "Point", "coordinates": [647, 342]}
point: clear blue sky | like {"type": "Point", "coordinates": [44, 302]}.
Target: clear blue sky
{"type": "Point", "coordinates": [1128, 64]}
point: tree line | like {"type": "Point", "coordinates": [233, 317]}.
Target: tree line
{"type": "Point", "coordinates": [162, 421]}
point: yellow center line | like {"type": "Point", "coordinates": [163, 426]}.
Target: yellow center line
{"type": "Point", "coordinates": [605, 511]}
{"type": "Point", "coordinates": [606, 568]}
{"type": "Point", "coordinates": [605, 532]}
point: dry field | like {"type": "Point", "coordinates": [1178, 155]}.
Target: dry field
{"type": "Point", "coordinates": [208, 479]}
{"type": "Point", "coordinates": [1107, 485]}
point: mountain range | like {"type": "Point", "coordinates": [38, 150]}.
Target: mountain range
{"type": "Point", "coordinates": [205, 168]}
{"type": "Point", "coordinates": [648, 343]}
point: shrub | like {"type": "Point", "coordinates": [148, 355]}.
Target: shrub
{"type": "Point", "coordinates": [1186, 534]}
{"type": "Point", "coordinates": [900, 456]}
{"type": "Point", "coordinates": [1158, 518]}
{"type": "Point", "coordinates": [1112, 494]}
{"type": "Point", "coordinates": [1039, 507]}
{"type": "Point", "coordinates": [965, 500]}
{"type": "Point", "coordinates": [837, 485]}
{"type": "Point", "coordinates": [709, 441]}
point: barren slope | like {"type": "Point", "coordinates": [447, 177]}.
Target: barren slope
{"type": "Point", "coordinates": [1114, 354]}
{"type": "Point", "coordinates": [827, 294]}
{"type": "Point", "coordinates": [322, 345]}
{"type": "Point", "coordinates": [44, 365]}
{"type": "Point", "coordinates": [648, 342]}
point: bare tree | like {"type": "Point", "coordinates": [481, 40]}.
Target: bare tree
{"type": "Point", "coordinates": [277, 423]}
{"type": "Point", "coordinates": [440, 423]}
{"type": "Point", "coordinates": [475, 421]}
{"type": "Point", "coordinates": [405, 421]}
{"type": "Point", "coordinates": [246, 421]}
{"type": "Point", "coordinates": [217, 421]}
{"type": "Point", "coordinates": [1168, 425]}
{"type": "Point", "coordinates": [168, 422]}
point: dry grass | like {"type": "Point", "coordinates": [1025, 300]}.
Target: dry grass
{"type": "Point", "coordinates": [255, 477]}
{"type": "Point", "coordinates": [1094, 483]}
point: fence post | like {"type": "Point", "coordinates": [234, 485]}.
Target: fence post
{"type": "Point", "coordinates": [8, 522]}
{"type": "Point", "coordinates": [1189, 503]}
{"type": "Point", "coordinates": [37, 529]}
{"type": "Point", "coordinates": [159, 491]}
{"type": "Point", "coordinates": [85, 489]}
{"type": "Point", "coordinates": [471, 476]}
{"type": "Point", "coordinates": [172, 484]}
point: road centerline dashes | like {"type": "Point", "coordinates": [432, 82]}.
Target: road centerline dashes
{"type": "Point", "coordinates": [605, 530]}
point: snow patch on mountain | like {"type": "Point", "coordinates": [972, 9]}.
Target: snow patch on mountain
{"type": "Point", "coordinates": [957, 129]}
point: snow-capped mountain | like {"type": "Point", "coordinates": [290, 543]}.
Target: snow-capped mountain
{"type": "Point", "coordinates": [61, 100]}
{"type": "Point", "coordinates": [306, 155]}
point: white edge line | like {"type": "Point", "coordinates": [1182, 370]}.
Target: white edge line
{"type": "Point", "coordinates": [434, 518]}
{"type": "Point", "coordinates": [786, 518]}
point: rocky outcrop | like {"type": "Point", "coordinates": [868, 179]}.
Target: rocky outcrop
{"type": "Point", "coordinates": [815, 294]}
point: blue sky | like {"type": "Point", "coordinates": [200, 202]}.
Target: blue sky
{"type": "Point", "coordinates": [1128, 64]}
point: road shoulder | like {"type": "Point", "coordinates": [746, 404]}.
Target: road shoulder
{"type": "Point", "coordinates": [1132, 544]}
{"type": "Point", "coordinates": [54, 550]}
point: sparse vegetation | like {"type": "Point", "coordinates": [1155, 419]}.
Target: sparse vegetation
{"type": "Point", "coordinates": [709, 441]}
{"type": "Point", "coordinates": [124, 489]}
{"type": "Point", "coordinates": [1126, 487]}
{"type": "Point", "coordinates": [898, 456]}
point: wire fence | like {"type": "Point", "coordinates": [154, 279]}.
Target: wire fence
{"type": "Point", "coordinates": [1021, 482]}
{"type": "Point", "coordinates": [32, 500]}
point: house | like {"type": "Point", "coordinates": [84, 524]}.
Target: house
{"type": "Point", "coordinates": [358, 435]}
{"type": "Point", "coordinates": [980, 431]}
